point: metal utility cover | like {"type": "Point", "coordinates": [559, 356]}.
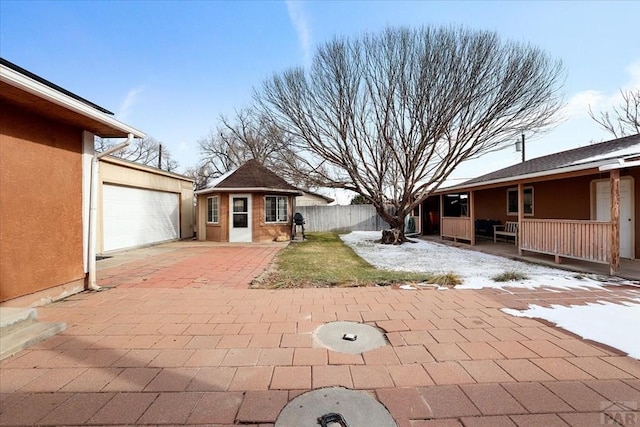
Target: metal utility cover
{"type": "Point", "coordinates": [331, 336]}
{"type": "Point", "coordinates": [358, 409]}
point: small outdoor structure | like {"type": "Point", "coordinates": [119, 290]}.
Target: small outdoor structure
{"type": "Point", "coordinates": [249, 204]}
{"type": "Point", "coordinates": [141, 205]}
{"type": "Point", "coordinates": [309, 198]}
{"type": "Point", "coordinates": [579, 204]}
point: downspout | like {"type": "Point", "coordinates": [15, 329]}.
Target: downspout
{"type": "Point", "coordinates": [93, 211]}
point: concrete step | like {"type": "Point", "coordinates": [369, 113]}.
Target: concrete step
{"type": "Point", "coordinates": [19, 329]}
{"type": "Point", "coordinates": [10, 316]}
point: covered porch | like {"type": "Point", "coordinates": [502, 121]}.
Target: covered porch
{"type": "Point", "coordinates": [629, 268]}
{"type": "Point", "coordinates": [570, 224]}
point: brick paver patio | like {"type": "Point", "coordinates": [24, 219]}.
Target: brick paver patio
{"type": "Point", "coordinates": [178, 338]}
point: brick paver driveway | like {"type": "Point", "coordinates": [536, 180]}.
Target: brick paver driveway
{"type": "Point", "coordinates": [177, 343]}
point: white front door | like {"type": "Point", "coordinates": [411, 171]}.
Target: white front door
{"type": "Point", "coordinates": [240, 218]}
{"type": "Point", "coordinates": [603, 212]}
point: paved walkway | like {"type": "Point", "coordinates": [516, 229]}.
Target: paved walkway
{"type": "Point", "coordinates": [189, 351]}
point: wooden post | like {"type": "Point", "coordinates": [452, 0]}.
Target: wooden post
{"type": "Point", "coordinates": [472, 217]}
{"type": "Point", "coordinates": [441, 215]}
{"type": "Point", "coordinates": [520, 217]}
{"type": "Point", "coordinates": [614, 182]}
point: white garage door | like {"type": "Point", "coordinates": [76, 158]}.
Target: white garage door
{"type": "Point", "coordinates": [136, 217]}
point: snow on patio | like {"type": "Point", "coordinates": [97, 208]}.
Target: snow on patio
{"type": "Point", "coordinates": [605, 322]}
{"type": "Point", "coordinates": [476, 269]}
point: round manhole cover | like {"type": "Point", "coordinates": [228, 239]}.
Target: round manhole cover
{"type": "Point", "coordinates": [349, 337]}
{"type": "Point", "coordinates": [335, 406]}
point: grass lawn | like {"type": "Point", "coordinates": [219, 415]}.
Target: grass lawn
{"type": "Point", "coordinates": [324, 260]}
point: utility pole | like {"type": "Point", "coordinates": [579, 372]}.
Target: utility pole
{"type": "Point", "coordinates": [520, 147]}
{"type": "Point", "coordinates": [160, 155]}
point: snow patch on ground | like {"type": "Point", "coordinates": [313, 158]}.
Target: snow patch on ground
{"type": "Point", "coordinates": [605, 322]}
{"type": "Point", "coordinates": [476, 269]}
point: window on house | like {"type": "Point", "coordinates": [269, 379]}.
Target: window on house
{"type": "Point", "coordinates": [275, 208]}
{"type": "Point", "coordinates": [212, 209]}
{"type": "Point", "coordinates": [512, 201]}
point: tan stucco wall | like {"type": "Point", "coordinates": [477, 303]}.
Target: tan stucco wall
{"type": "Point", "coordinates": [40, 203]}
{"type": "Point", "coordinates": [114, 171]}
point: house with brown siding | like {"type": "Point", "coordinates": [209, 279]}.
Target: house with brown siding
{"type": "Point", "coordinates": [46, 151]}
{"type": "Point", "coordinates": [249, 204]}
{"type": "Point", "coordinates": [581, 204]}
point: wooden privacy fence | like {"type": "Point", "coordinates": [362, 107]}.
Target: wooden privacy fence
{"type": "Point", "coordinates": [341, 218]}
{"type": "Point", "coordinates": [586, 240]}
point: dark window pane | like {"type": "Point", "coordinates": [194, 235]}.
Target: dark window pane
{"type": "Point", "coordinates": [240, 205]}
{"type": "Point", "coordinates": [512, 201]}
{"type": "Point", "coordinates": [240, 220]}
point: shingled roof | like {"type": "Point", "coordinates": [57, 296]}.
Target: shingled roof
{"type": "Point", "coordinates": [251, 176]}
{"type": "Point", "coordinates": [578, 158]}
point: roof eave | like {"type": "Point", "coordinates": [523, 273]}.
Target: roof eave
{"type": "Point", "coordinates": [147, 168]}
{"type": "Point", "coordinates": [621, 163]}
{"type": "Point", "coordinates": [27, 84]}
{"type": "Point", "coordinates": [247, 190]}
{"type": "Point", "coordinates": [557, 171]}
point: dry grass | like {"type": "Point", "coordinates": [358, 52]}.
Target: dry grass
{"type": "Point", "coordinates": [449, 280]}
{"type": "Point", "coordinates": [323, 260]}
{"type": "Point", "coordinates": [510, 276]}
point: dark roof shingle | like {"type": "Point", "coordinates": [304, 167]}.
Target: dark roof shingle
{"type": "Point", "coordinates": [254, 175]}
{"type": "Point", "coordinates": [576, 156]}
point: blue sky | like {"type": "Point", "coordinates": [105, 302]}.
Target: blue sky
{"type": "Point", "coordinates": [171, 68]}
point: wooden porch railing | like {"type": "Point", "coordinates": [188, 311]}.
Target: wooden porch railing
{"type": "Point", "coordinates": [457, 227]}
{"type": "Point", "coordinates": [585, 240]}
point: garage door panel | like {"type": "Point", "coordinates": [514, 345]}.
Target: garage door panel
{"type": "Point", "coordinates": [135, 217]}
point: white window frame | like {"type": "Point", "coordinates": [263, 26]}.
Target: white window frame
{"type": "Point", "coordinates": [211, 218]}
{"type": "Point", "coordinates": [279, 219]}
{"type": "Point", "coordinates": [524, 190]}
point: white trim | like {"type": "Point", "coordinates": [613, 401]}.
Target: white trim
{"type": "Point", "coordinates": [557, 171]}
{"type": "Point", "coordinates": [22, 82]}
{"type": "Point", "coordinates": [249, 198]}
{"type": "Point", "coordinates": [621, 163]}
{"type": "Point", "coordinates": [87, 155]}
{"type": "Point", "coordinates": [146, 168]}
{"type": "Point", "coordinates": [594, 201]}
{"type": "Point", "coordinates": [218, 209]}
{"type": "Point", "coordinates": [286, 221]}
{"type": "Point", "coordinates": [523, 190]}
{"type": "Point", "coordinates": [246, 189]}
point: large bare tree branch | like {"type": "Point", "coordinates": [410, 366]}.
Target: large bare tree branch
{"type": "Point", "coordinates": [146, 151]}
{"type": "Point", "coordinates": [625, 118]}
{"type": "Point", "coordinates": [250, 135]}
{"type": "Point", "coordinates": [391, 115]}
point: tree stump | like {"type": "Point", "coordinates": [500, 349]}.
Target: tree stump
{"type": "Point", "coordinates": [390, 237]}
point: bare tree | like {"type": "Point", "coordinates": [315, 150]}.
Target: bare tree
{"type": "Point", "coordinates": [250, 135]}
{"type": "Point", "coordinates": [625, 119]}
{"type": "Point", "coordinates": [146, 151]}
{"type": "Point", "coordinates": [391, 115]}
{"type": "Point", "coordinates": [201, 176]}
